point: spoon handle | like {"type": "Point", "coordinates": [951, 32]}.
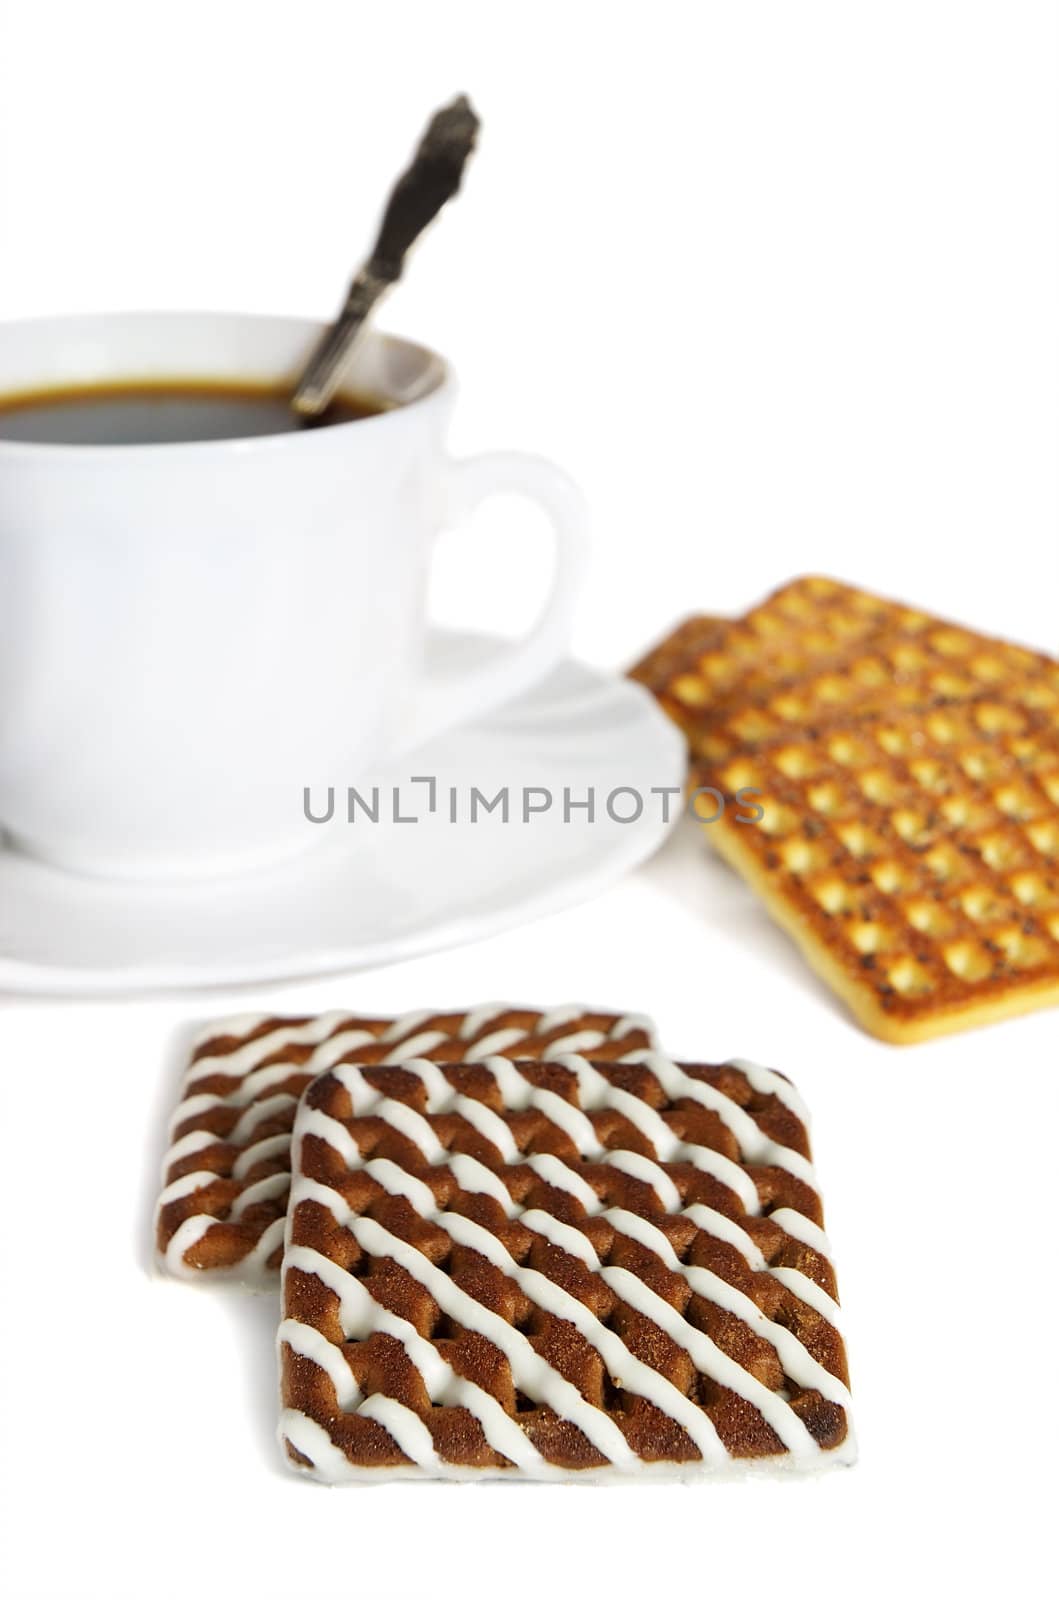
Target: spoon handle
{"type": "Point", "coordinates": [432, 178]}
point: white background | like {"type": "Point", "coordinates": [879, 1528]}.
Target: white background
{"type": "Point", "coordinates": [777, 283]}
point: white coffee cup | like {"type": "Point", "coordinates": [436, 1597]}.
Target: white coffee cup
{"type": "Point", "coordinates": [192, 634]}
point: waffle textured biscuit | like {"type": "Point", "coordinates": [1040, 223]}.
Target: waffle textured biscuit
{"type": "Point", "coordinates": [818, 650]}
{"type": "Point", "coordinates": [910, 788]}
{"type": "Point", "coordinates": [226, 1173]}
{"type": "Point", "coordinates": [563, 1268]}
{"type": "Point", "coordinates": [914, 858]}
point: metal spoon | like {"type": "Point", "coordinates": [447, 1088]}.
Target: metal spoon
{"type": "Point", "coordinates": [418, 195]}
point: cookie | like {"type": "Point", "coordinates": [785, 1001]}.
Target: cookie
{"type": "Point", "coordinates": [914, 859]}
{"type": "Point", "coordinates": [227, 1170]}
{"type": "Point", "coordinates": [557, 1269]}
{"type": "Point", "coordinates": [818, 649]}
{"type": "Point", "coordinates": [907, 774]}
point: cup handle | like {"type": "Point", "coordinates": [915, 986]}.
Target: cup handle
{"type": "Point", "coordinates": [460, 692]}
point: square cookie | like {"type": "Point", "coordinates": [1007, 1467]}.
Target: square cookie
{"type": "Point", "coordinates": [227, 1170]}
{"type": "Point", "coordinates": [557, 1269]}
{"type": "Point", "coordinates": [914, 858]}
{"type": "Point", "coordinates": [818, 650]}
{"type": "Point", "coordinates": [904, 774]}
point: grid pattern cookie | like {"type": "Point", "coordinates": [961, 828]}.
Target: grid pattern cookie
{"type": "Point", "coordinates": [817, 650]}
{"type": "Point", "coordinates": [914, 858]}
{"type": "Point", "coordinates": [557, 1269]}
{"type": "Point", "coordinates": [697, 640]}
{"type": "Point", "coordinates": [226, 1173]}
{"type": "Point", "coordinates": [908, 772]}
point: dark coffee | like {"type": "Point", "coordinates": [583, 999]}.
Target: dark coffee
{"type": "Point", "coordinates": [164, 411]}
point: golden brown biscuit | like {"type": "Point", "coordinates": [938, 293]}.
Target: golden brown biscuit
{"type": "Point", "coordinates": [908, 772]}
{"type": "Point", "coordinates": [817, 649]}
{"type": "Point", "coordinates": [913, 857]}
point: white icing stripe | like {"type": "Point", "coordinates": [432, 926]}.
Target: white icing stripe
{"type": "Point", "coordinates": [647, 1171]}
{"type": "Point", "coordinates": [645, 1233]}
{"type": "Point", "coordinates": [596, 1093]}
{"type": "Point", "coordinates": [767, 1082]}
{"type": "Point", "coordinates": [418, 1044]}
{"type": "Point", "coordinates": [568, 1119]}
{"type": "Point", "coordinates": [250, 1269]}
{"type": "Point", "coordinates": [311, 1441]}
{"type": "Point", "coordinates": [803, 1229]}
{"type": "Point", "coordinates": [330, 1051]}
{"type": "Point", "coordinates": [268, 1243]}
{"type": "Point", "coordinates": [256, 1083]}
{"type": "Point", "coordinates": [303, 1188]}
{"type": "Point", "coordinates": [516, 1091]}
{"type": "Point", "coordinates": [494, 1044]}
{"type": "Point", "coordinates": [725, 1171]}
{"type": "Point", "coordinates": [491, 1126]}
{"type": "Point", "coordinates": [229, 1028]}
{"type": "Point", "coordinates": [474, 1177]}
{"type": "Point", "coordinates": [188, 1184]}
{"type": "Point", "coordinates": [321, 1126]}
{"type": "Point", "coordinates": [803, 1288]}
{"type": "Point", "coordinates": [635, 1022]}
{"type": "Point", "coordinates": [193, 1106]}
{"type": "Point", "coordinates": [408, 1430]}
{"type": "Point", "coordinates": [436, 1085]}
{"type": "Point", "coordinates": [712, 1361]}
{"type": "Point", "coordinates": [477, 1018]}
{"type": "Point", "coordinates": [558, 1175]}
{"type": "Point", "coordinates": [356, 1085]}
{"type": "Point", "coordinates": [264, 1150]}
{"type": "Point", "coordinates": [259, 1112]}
{"type": "Point", "coordinates": [558, 1017]}
{"type": "Point", "coordinates": [409, 1023]}
{"type": "Point", "coordinates": [723, 1228]}
{"type": "Point", "coordinates": [414, 1127]}
{"type": "Point", "coordinates": [395, 1180]}
{"type": "Point", "coordinates": [190, 1145]}
{"type": "Point", "coordinates": [563, 1234]}
{"type": "Point", "coordinates": [264, 1189]}
{"type": "Point", "coordinates": [310, 1342]}
{"type": "Point", "coordinates": [587, 1039]}
{"type": "Point", "coordinates": [184, 1239]}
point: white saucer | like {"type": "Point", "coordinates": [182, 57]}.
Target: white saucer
{"type": "Point", "coordinates": [369, 893]}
